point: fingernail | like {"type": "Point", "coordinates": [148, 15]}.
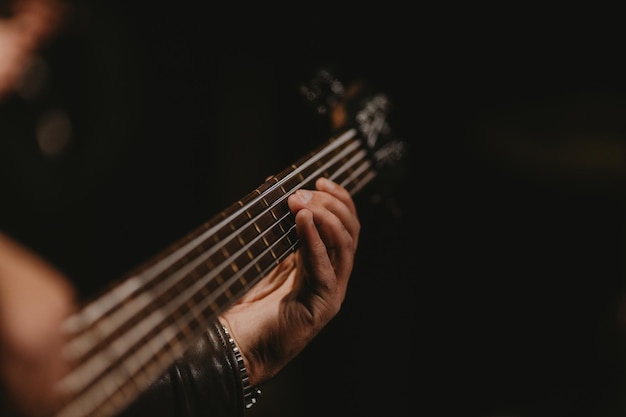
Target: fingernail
{"type": "Point", "coordinates": [304, 195]}
{"type": "Point", "coordinates": [328, 183]}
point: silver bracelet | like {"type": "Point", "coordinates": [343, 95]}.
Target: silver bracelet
{"type": "Point", "coordinates": [250, 393]}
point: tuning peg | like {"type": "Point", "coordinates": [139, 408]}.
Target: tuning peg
{"type": "Point", "coordinates": [322, 90]}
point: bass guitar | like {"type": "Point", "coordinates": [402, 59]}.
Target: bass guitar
{"type": "Point", "coordinates": [123, 339]}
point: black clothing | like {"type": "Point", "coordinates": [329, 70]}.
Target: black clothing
{"type": "Point", "coordinates": [205, 382]}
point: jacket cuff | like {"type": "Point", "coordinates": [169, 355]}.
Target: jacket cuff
{"type": "Point", "coordinates": [204, 382]}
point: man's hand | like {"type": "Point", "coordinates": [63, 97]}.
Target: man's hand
{"type": "Point", "coordinates": [279, 316]}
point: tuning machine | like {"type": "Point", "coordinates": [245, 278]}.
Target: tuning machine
{"type": "Point", "coordinates": [323, 90]}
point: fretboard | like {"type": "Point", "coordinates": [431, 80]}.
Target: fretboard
{"type": "Point", "coordinates": [127, 337]}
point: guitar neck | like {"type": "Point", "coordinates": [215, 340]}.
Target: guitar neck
{"type": "Point", "coordinates": [124, 339]}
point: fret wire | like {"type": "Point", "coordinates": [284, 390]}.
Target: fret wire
{"type": "Point", "coordinates": [81, 346]}
{"type": "Point", "coordinates": [115, 320]}
{"type": "Point", "coordinates": [294, 244]}
{"type": "Point", "coordinates": [272, 264]}
{"type": "Point", "coordinates": [99, 307]}
{"type": "Point", "coordinates": [171, 356]}
{"type": "Point", "coordinates": [95, 395]}
{"type": "Point", "coordinates": [158, 317]}
{"type": "Point", "coordinates": [274, 261]}
{"type": "Point", "coordinates": [352, 179]}
{"type": "Point", "coordinates": [357, 179]}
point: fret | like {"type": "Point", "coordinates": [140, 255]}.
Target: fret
{"type": "Point", "coordinates": [189, 284]}
{"type": "Point", "coordinates": [219, 259]}
{"type": "Point", "coordinates": [263, 223]}
{"type": "Point", "coordinates": [149, 272]}
{"type": "Point", "coordinates": [126, 338]}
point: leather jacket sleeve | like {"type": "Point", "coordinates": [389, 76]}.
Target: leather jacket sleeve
{"type": "Point", "coordinates": [204, 382]}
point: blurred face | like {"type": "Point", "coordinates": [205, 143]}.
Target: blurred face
{"type": "Point", "coordinates": [26, 25]}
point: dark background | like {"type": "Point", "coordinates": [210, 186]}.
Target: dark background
{"type": "Point", "coordinates": [489, 278]}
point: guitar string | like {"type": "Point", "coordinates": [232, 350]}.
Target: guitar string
{"type": "Point", "coordinates": [79, 346]}
{"type": "Point", "coordinates": [170, 306]}
{"type": "Point", "coordinates": [134, 284]}
{"type": "Point", "coordinates": [141, 329]}
{"type": "Point", "coordinates": [111, 387]}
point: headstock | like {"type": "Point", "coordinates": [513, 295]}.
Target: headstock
{"type": "Point", "coordinates": [359, 105]}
